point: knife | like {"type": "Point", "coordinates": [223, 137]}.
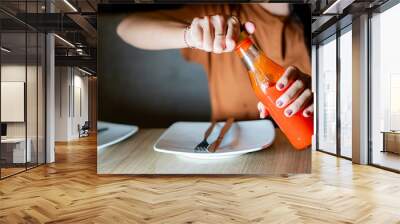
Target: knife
{"type": "Point", "coordinates": [214, 146]}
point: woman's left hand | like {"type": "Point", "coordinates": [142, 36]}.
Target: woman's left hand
{"type": "Point", "coordinates": [295, 97]}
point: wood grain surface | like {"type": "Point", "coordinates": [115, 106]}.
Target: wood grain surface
{"type": "Point", "coordinates": [70, 191]}
{"type": "Point", "coordinates": [136, 156]}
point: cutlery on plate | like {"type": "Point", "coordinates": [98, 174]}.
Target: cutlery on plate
{"type": "Point", "coordinates": [203, 145]}
{"type": "Point", "coordinates": [214, 146]}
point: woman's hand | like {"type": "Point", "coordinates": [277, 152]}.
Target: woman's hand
{"type": "Point", "coordinates": [215, 34]}
{"type": "Point", "coordinates": [295, 97]}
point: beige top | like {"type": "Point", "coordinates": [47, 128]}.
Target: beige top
{"type": "Point", "coordinates": [280, 38]}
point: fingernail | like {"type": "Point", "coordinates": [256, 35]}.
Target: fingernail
{"type": "Point", "coordinates": [289, 112]}
{"type": "Point", "coordinates": [262, 115]}
{"type": "Point", "coordinates": [280, 86]}
{"type": "Point", "coordinates": [308, 113]}
{"type": "Point", "coordinates": [279, 103]}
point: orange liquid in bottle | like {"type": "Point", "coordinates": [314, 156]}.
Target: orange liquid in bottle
{"type": "Point", "coordinates": [263, 74]}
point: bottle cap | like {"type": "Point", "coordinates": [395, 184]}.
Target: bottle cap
{"type": "Point", "coordinates": [244, 41]}
{"type": "Point", "coordinates": [243, 33]}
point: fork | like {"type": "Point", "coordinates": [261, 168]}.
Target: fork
{"type": "Point", "coordinates": [203, 145]}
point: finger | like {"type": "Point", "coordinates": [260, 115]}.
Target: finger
{"type": "Point", "coordinates": [196, 33]}
{"type": "Point", "coordinates": [250, 27]}
{"type": "Point", "coordinates": [299, 103]}
{"type": "Point", "coordinates": [207, 36]}
{"type": "Point", "coordinates": [233, 29]}
{"type": "Point", "coordinates": [218, 23]}
{"type": "Point", "coordinates": [290, 93]}
{"type": "Point", "coordinates": [309, 111]}
{"type": "Point", "coordinates": [263, 112]}
{"type": "Point", "coordinates": [289, 74]}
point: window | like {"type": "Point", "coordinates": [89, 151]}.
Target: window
{"type": "Point", "coordinates": [345, 59]}
{"type": "Point", "coordinates": [22, 77]}
{"type": "Point", "coordinates": [385, 89]}
{"type": "Point", "coordinates": [326, 93]}
{"type": "Point", "coordinates": [17, 153]}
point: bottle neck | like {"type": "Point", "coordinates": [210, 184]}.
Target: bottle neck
{"type": "Point", "coordinates": [248, 52]}
{"type": "Point", "coordinates": [254, 59]}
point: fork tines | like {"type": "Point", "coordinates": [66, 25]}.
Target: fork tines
{"type": "Point", "coordinates": [203, 145]}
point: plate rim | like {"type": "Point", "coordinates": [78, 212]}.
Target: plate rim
{"type": "Point", "coordinates": [134, 130]}
{"type": "Point", "coordinates": [217, 154]}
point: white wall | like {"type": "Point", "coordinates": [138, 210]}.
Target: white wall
{"type": "Point", "coordinates": [33, 126]}
{"type": "Point", "coordinates": [12, 101]}
{"type": "Point", "coordinates": [79, 117]}
{"type": "Point", "coordinates": [69, 82]}
{"type": "Point", "coordinates": [11, 73]}
{"type": "Point", "coordinates": [62, 81]}
{"type": "Point", "coordinates": [16, 73]}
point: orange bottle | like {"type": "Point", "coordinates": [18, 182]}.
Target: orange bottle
{"type": "Point", "coordinates": [263, 74]}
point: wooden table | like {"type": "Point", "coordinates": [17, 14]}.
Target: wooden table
{"type": "Point", "coordinates": [136, 156]}
{"type": "Point", "coordinates": [391, 141]}
{"type": "Point", "coordinates": [13, 150]}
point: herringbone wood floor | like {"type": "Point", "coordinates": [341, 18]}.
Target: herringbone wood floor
{"type": "Point", "coordinates": [69, 191]}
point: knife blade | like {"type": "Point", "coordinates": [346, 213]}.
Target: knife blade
{"type": "Point", "coordinates": [214, 146]}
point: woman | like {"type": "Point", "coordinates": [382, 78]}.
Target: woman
{"type": "Point", "coordinates": [207, 34]}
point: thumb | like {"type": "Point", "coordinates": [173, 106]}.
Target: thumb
{"type": "Point", "coordinates": [250, 27]}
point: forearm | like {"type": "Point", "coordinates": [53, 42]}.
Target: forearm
{"type": "Point", "coordinates": [151, 32]}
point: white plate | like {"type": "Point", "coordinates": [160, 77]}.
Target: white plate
{"type": "Point", "coordinates": [111, 133]}
{"type": "Point", "coordinates": [243, 137]}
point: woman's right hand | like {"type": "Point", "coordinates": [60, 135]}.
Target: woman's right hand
{"type": "Point", "coordinates": [216, 34]}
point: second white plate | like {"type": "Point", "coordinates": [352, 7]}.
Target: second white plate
{"type": "Point", "coordinates": [111, 133]}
